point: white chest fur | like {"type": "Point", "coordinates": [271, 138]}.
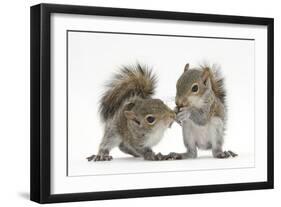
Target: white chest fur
{"type": "Point", "coordinates": [155, 137]}
{"type": "Point", "coordinates": [202, 136]}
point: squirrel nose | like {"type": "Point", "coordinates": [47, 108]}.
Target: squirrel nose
{"type": "Point", "coordinates": [181, 103]}
{"type": "Point", "coordinates": [179, 106]}
{"type": "Point", "coordinates": [173, 115]}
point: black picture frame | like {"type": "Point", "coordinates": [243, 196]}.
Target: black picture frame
{"type": "Point", "coordinates": [41, 98]}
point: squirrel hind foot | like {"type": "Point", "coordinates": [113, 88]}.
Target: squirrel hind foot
{"type": "Point", "coordinates": [223, 155]}
{"type": "Point", "coordinates": [226, 154]}
{"type": "Point", "coordinates": [233, 154]}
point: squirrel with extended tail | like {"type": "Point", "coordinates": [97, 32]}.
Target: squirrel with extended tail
{"type": "Point", "coordinates": [134, 121]}
{"type": "Point", "coordinates": [201, 110]}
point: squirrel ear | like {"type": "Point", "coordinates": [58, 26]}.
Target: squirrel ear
{"type": "Point", "coordinates": [130, 115]}
{"type": "Point", "coordinates": [129, 106]}
{"type": "Point", "coordinates": [186, 67]}
{"type": "Point", "coordinates": [205, 76]}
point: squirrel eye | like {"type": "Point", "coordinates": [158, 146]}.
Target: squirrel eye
{"type": "Point", "coordinates": [150, 119]}
{"type": "Point", "coordinates": [194, 88]}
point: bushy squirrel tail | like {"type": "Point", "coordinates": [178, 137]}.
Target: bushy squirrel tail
{"type": "Point", "coordinates": [136, 80]}
{"type": "Point", "coordinates": [217, 81]}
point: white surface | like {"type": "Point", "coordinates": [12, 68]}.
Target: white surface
{"type": "Point", "coordinates": [131, 165]}
{"type": "Point", "coordinates": [15, 103]}
{"type": "Point", "coordinates": [86, 86]}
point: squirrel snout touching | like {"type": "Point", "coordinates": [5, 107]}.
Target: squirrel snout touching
{"type": "Point", "coordinates": [181, 103]}
{"type": "Point", "coordinates": [173, 115]}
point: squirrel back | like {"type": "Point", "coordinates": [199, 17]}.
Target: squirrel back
{"type": "Point", "coordinates": [131, 81]}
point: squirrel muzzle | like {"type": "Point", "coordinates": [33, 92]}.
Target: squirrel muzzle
{"type": "Point", "coordinates": [181, 103]}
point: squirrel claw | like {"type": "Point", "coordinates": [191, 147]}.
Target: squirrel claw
{"type": "Point", "coordinates": [173, 156]}
{"type": "Point", "coordinates": [99, 158]}
{"type": "Point", "coordinates": [159, 156]}
{"type": "Point", "coordinates": [233, 154]}
{"type": "Point", "coordinates": [179, 122]}
{"type": "Point", "coordinates": [226, 154]}
{"type": "Point", "coordinates": [154, 157]}
{"type": "Point", "coordinates": [149, 156]}
{"type": "Point", "coordinates": [223, 155]}
{"type": "Point", "coordinates": [91, 158]}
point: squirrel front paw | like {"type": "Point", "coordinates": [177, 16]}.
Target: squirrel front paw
{"type": "Point", "coordinates": [153, 157]}
{"type": "Point", "coordinates": [158, 157]}
{"type": "Point", "coordinates": [99, 157]}
{"type": "Point", "coordinates": [150, 156]}
{"type": "Point", "coordinates": [182, 115]}
{"type": "Point", "coordinates": [173, 156]}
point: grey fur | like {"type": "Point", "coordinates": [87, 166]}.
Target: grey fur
{"type": "Point", "coordinates": [128, 150]}
{"type": "Point", "coordinates": [125, 107]}
{"type": "Point", "coordinates": [136, 80]}
{"type": "Point", "coordinates": [203, 123]}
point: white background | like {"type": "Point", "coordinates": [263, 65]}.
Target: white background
{"type": "Point", "coordinates": [183, 172]}
{"type": "Point", "coordinates": [94, 58]}
{"type": "Point", "coordinates": [15, 102]}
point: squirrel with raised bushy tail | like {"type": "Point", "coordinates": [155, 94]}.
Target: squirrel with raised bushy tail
{"type": "Point", "coordinates": [201, 110]}
{"type": "Point", "coordinates": [134, 121]}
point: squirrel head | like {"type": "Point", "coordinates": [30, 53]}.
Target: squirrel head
{"type": "Point", "coordinates": [148, 114]}
{"type": "Point", "coordinates": [191, 86]}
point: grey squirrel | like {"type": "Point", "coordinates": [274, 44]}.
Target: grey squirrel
{"type": "Point", "coordinates": [201, 110]}
{"type": "Point", "coordinates": [134, 121]}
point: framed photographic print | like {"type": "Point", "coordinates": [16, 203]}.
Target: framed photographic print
{"type": "Point", "coordinates": [132, 103]}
